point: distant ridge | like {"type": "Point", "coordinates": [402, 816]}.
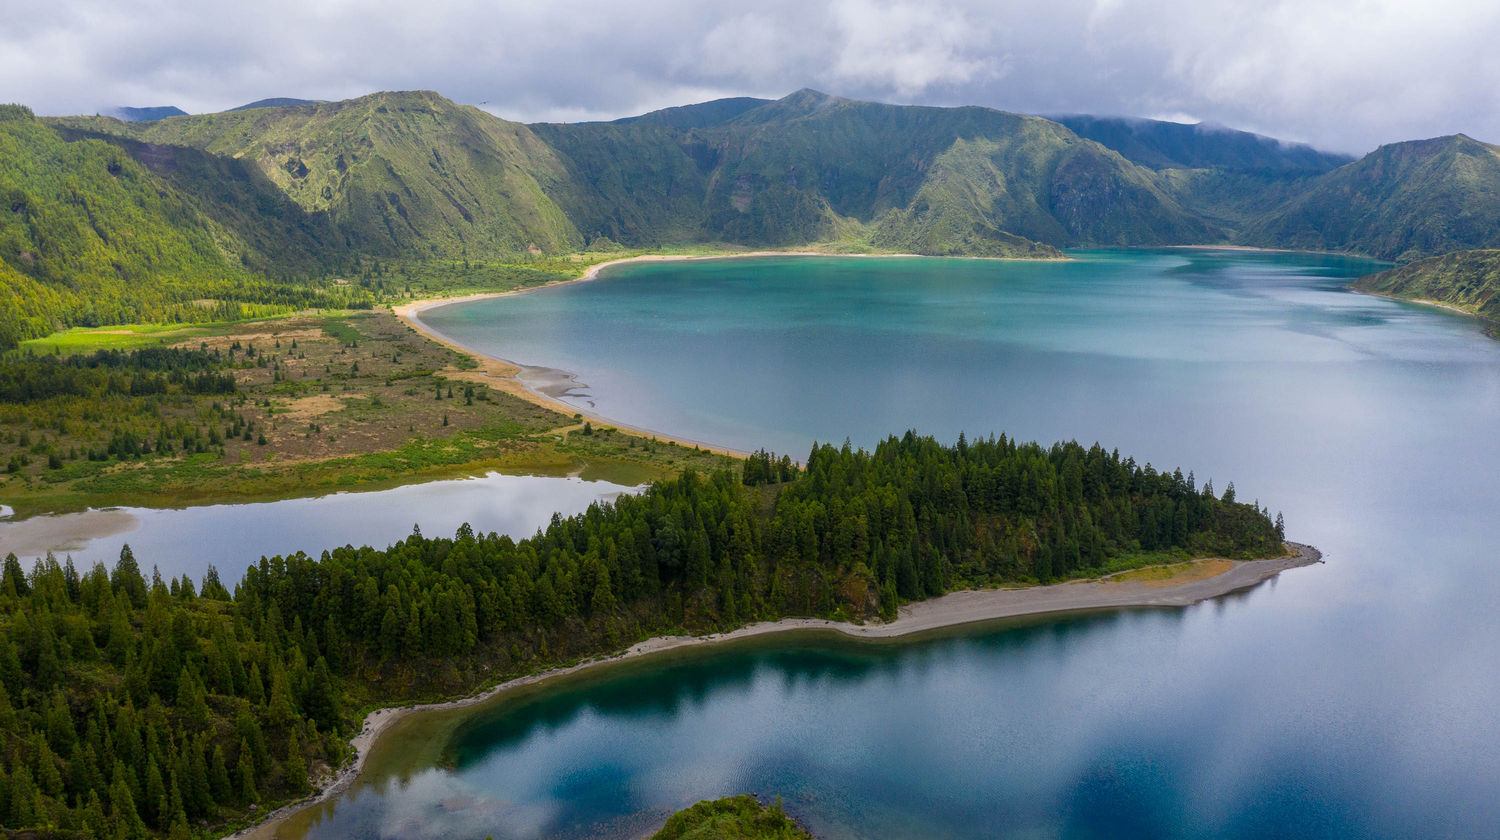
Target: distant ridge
{"type": "Point", "coordinates": [277, 102]}
{"type": "Point", "coordinates": [1402, 202]}
{"type": "Point", "coordinates": [155, 112]}
{"type": "Point", "coordinates": [1168, 145]}
{"type": "Point", "coordinates": [289, 189]}
{"type": "Point", "coordinates": [701, 115]}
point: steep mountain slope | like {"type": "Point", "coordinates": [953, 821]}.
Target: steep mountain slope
{"type": "Point", "coordinates": [412, 175]}
{"type": "Point", "coordinates": [1468, 280]}
{"type": "Point", "coordinates": [398, 173]}
{"type": "Point", "coordinates": [1168, 145]}
{"type": "Point", "coordinates": [1229, 176]}
{"type": "Point", "coordinates": [93, 237]}
{"type": "Point", "coordinates": [1401, 202]}
{"type": "Point", "coordinates": [271, 234]}
{"type": "Point", "coordinates": [812, 167]}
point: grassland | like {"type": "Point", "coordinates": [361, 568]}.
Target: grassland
{"type": "Point", "coordinates": [352, 400]}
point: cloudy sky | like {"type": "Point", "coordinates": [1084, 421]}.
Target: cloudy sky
{"type": "Point", "coordinates": [1342, 74]}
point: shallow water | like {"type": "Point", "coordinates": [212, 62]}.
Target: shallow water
{"type": "Point", "coordinates": [187, 540]}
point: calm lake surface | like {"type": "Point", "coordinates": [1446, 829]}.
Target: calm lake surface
{"type": "Point", "coordinates": [1353, 699]}
{"type": "Point", "coordinates": [187, 540]}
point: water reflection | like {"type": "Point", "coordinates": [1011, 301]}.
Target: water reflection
{"type": "Point", "coordinates": [233, 536]}
{"type": "Point", "coordinates": [1353, 699]}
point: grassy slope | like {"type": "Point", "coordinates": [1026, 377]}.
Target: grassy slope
{"type": "Point", "coordinates": [1167, 145]}
{"type": "Point", "coordinates": [408, 173]}
{"type": "Point", "coordinates": [1468, 280]}
{"type": "Point", "coordinates": [1402, 202]}
{"type": "Point", "coordinates": [731, 818]}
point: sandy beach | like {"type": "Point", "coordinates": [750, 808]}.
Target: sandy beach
{"type": "Point", "coordinates": [955, 609]}
{"type": "Point", "coordinates": [61, 533]}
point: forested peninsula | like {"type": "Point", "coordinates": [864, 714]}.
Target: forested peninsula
{"type": "Point", "coordinates": [133, 706]}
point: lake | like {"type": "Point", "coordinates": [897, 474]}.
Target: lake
{"type": "Point", "coordinates": [231, 537]}
{"type": "Point", "coordinates": [1352, 699]}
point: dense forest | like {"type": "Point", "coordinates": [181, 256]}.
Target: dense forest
{"type": "Point", "coordinates": [132, 706]}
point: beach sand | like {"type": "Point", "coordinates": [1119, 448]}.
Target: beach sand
{"type": "Point", "coordinates": [952, 610]}
{"type": "Point", "coordinates": [63, 532]}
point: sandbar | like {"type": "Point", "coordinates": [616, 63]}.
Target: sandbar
{"type": "Point", "coordinates": [63, 532]}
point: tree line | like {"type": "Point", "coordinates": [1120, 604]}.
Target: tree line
{"type": "Point", "coordinates": [135, 707]}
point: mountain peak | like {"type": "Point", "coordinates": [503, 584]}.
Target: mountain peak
{"type": "Point", "coordinates": [698, 115]}
{"type": "Point", "coordinates": [279, 102]}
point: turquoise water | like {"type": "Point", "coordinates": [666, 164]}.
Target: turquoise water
{"type": "Point", "coordinates": [1352, 699]}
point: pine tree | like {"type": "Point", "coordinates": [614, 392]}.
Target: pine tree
{"type": "Point", "coordinates": [247, 790]}
{"type": "Point", "coordinates": [218, 776]}
{"type": "Point", "coordinates": [295, 766]}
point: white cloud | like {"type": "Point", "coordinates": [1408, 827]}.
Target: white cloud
{"type": "Point", "coordinates": [1345, 74]}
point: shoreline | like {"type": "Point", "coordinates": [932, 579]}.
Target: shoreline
{"type": "Point", "coordinates": [1436, 304]}
{"type": "Point", "coordinates": [953, 610]}
{"type": "Point", "coordinates": [507, 376]}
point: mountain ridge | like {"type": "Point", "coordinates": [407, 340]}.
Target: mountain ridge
{"type": "Point", "coordinates": [294, 192]}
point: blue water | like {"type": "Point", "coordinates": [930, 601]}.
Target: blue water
{"type": "Point", "coordinates": [181, 541]}
{"type": "Point", "coordinates": [1352, 699]}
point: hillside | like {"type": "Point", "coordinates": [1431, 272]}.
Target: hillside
{"type": "Point", "coordinates": [293, 191]}
{"type": "Point", "coordinates": [399, 174]}
{"type": "Point", "coordinates": [1228, 176]}
{"type": "Point", "coordinates": [1167, 145]}
{"type": "Point", "coordinates": [93, 237]}
{"type": "Point", "coordinates": [1402, 202]}
{"type": "Point", "coordinates": [812, 167]}
{"type": "Point", "coordinates": [1468, 280]}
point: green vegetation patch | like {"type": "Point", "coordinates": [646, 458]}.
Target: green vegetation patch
{"type": "Point", "coordinates": [1467, 280]}
{"type": "Point", "coordinates": [740, 817]}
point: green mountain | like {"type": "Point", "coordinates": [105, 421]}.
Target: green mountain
{"type": "Point", "coordinates": [93, 237]}
{"type": "Point", "coordinates": [1467, 280]}
{"type": "Point", "coordinates": [1168, 145]}
{"type": "Point", "coordinates": [278, 102]}
{"type": "Point", "coordinates": [240, 204]}
{"type": "Point", "coordinates": [1402, 202]}
{"type": "Point", "coordinates": [402, 174]}
{"type": "Point", "coordinates": [812, 167]}
{"type": "Point", "coordinates": [700, 115]}
{"type": "Point", "coordinates": [1231, 177]}
{"type": "Point", "coordinates": [399, 174]}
